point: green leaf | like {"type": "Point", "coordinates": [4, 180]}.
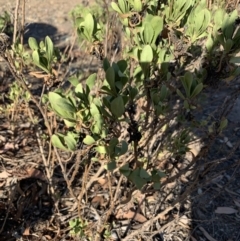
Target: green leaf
{"type": "Point", "coordinates": [177, 11]}
{"type": "Point", "coordinates": [125, 170]}
{"type": "Point", "coordinates": [180, 94]}
{"type": "Point", "coordinates": [156, 185]}
{"type": "Point", "coordinates": [144, 174]}
{"type": "Point", "coordinates": [32, 42]}
{"type": "Point", "coordinates": [146, 54]}
{"type": "Point", "coordinates": [112, 143]}
{"type": "Point", "coordinates": [69, 123]}
{"type": "Point", "coordinates": [197, 90]}
{"type": "Point", "coordinates": [70, 141]}
{"type": "Point", "coordinates": [124, 148]}
{"type": "Point", "coordinates": [79, 88]}
{"type": "Point", "coordinates": [57, 142]}
{"type": "Point", "coordinates": [234, 60]}
{"type": "Point", "coordinates": [122, 64]}
{"type": "Point", "coordinates": [101, 149]}
{"type": "Point", "coordinates": [148, 33]}
{"type": "Point", "coordinates": [186, 105]}
{"type": "Point", "coordinates": [41, 45]}
{"type": "Point", "coordinates": [106, 64]}
{"type": "Point", "coordinates": [122, 5]}
{"type": "Point", "coordinates": [223, 124]}
{"type": "Point", "coordinates": [133, 92]}
{"type": "Point", "coordinates": [97, 124]}
{"type": "Point", "coordinates": [49, 49]}
{"type": "Point", "coordinates": [137, 4]}
{"type": "Point", "coordinates": [198, 22]}
{"type": "Point", "coordinates": [209, 43]}
{"type": "Point", "coordinates": [157, 24]}
{"type": "Point", "coordinates": [110, 77]}
{"type": "Point", "coordinates": [111, 166]}
{"type": "Point", "coordinates": [62, 106]}
{"type": "Point", "coordinates": [117, 107]}
{"type": "Point", "coordinates": [94, 159]}
{"type": "Point", "coordinates": [90, 82]}
{"type": "Point", "coordinates": [115, 7]}
{"type": "Point", "coordinates": [156, 175]}
{"type": "Point", "coordinates": [187, 81]}
{"type": "Point", "coordinates": [136, 179]}
{"type": "Point", "coordinates": [94, 110]}
{"type": "Point", "coordinates": [228, 45]}
{"type": "Point", "coordinates": [228, 24]}
{"type": "Point", "coordinates": [88, 140]}
{"type": "Point", "coordinates": [218, 17]}
{"type": "Point", "coordinates": [89, 24]}
{"type": "Point", "coordinates": [73, 80]}
{"type": "Point", "coordinates": [39, 61]}
{"type": "Point", "coordinates": [61, 103]}
{"type": "Point", "coordinates": [163, 92]}
{"type": "Point", "coordinates": [35, 56]}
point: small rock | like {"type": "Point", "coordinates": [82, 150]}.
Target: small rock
{"type": "Point", "coordinates": [199, 191]}
{"type": "Point", "coordinates": [225, 139]}
{"type": "Point", "coordinates": [229, 144]}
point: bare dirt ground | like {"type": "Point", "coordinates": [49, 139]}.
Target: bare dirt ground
{"type": "Point", "coordinates": [45, 17]}
{"type": "Point", "coordinates": [210, 213]}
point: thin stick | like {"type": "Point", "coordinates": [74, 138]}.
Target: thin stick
{"type": "Point", "coordinates": [15, 21]}
{"type": "Point", "coordinates": [23, 22]}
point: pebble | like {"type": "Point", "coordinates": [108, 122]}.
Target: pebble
{"type": "Point", "coordinates": [227, 142]}
{"type": "Point", "coordinates": [199, 191]}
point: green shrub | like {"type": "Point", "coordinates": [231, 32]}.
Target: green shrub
{"type": "Point", "coordinates": [156, 81]}
{"type": "Point", "coordinates": [158, 37]}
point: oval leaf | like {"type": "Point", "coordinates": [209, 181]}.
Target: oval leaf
{"type": "Point", "coordinates": [57, 142]}
{"type": "Point", "coordinates": [197, 90]}
{"type": "Point", "coordinates": [49, 48]}
{"type": "Point", "coordinates": [115, 7]}
{"type": "Point", "coordinates": [88, 140]}
{"type": "Point", "coordinates": [89, 24]}
{"type": "Point", "coordinates": [117, 107]}
{"type": "Point", "coordinates": [110, 76]}
{"type": "Point", "coordinates": [146, 54]}
{"type": "Point", "coordinates": [32, 42]}
{"type": "Point", "coordinates": [91, 80]}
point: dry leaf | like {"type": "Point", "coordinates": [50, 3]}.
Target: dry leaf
{"type": "Point", "coordinates": [225, 210]}
{"type": "Point", "coordinates": [130, 215]}
{"type": "Point", "coordinates": [37, 75]}
{"type": "Point", "coordinates": [207, 235]}
{"type": "Point", "coordinates": [9, 146]}
{"type": "Point", "coordinates": [55, 72]}
{"type": "Point", "coordinates": [2, 183]}
{"type": "Point", "coordinates": [35, 173]}
{"type": "Point", "coordinates": [48, 237]}
{"type": "Point", "coordinates": [4, 174]}
{"type": "Point", "coordinates": [137, 195]}
{"type": "Point", "coordinates": [25, 125]}
{"type": "Point", "coordinates": [97, 200]}
{"type": "Point", "coordinates": [184, 220]}
{"type": "Point", "coordinates": [3, 138]}
{"type": "Point", "coordinates": [26, 231]}
{"type": "Point", "coordinates": [103, 182]}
